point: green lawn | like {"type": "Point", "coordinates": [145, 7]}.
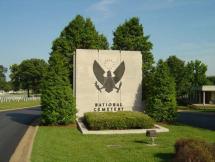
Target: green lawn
{"type": "Point", "coordinates": [21, 104]}
{"type": "Point", "coordinates": [66, 144]}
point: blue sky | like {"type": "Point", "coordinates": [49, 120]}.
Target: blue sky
{"type": "Point", "coordinates": [185, 28]}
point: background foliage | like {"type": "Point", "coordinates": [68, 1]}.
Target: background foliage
{"type": "Point", "coordinates": [28, 75]}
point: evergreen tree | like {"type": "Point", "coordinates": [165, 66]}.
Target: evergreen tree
{"type": "Point", "coordinates": [79, 34]}
{"type": "Point", "coordinates": [161, 103]}
{"type": "Point", "coordinates": [130, 36]}
{"type": "Point", "coordinates": [58, 104]}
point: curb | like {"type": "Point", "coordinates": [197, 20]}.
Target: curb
{"type": "Point", "coordinates": [19, 108]}
{"type": "Point", "coordinates": [25, 146]}
{"type": "Point", "coordinates": [84, 130]}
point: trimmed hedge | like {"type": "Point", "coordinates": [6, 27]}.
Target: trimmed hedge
{"type": "Point", "coordinates": [190, 150]}
{"type": "Point", "coordinates": [117, 120]}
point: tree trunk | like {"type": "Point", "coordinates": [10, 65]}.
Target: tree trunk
{"type": "Point", "coordinates": [28, 92]}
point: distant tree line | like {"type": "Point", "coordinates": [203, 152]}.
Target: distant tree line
{"type": "Point", "coordinates": [211, 80]}
{"type": "Point", "coordinates": [164, 83]}
{"type": "Point", "coordinates": [187, 76]}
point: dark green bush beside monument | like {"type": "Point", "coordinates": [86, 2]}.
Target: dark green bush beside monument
{"type": "Point", "coordinates": [161, 103]}
{"type": "Point", "coordinates": [58, 104]}
{"type": "Point", "coordinates": [117, 120]}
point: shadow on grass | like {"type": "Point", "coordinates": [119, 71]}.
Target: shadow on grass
{"type": "Point", "coordinates": [165, 157]}
{"type": "Point", "coordinates": [141, 141]}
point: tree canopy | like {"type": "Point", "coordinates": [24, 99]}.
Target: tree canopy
{"type": "Point", "coordinates": [3, 82]}
{"type": "Point", "coordinates": [79, 34]}
{"type": "Point", "coordinates": [197, 72]}
{"type": "Point", "coordinates": [178, 71]}
{"type": "Point", "coordinates": [211, 80]}
{"type": "Point", "coordinates": [28, 75]}
{"type": "Point", "coordinates": [130, 36]}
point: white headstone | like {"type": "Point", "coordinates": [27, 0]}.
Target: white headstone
{"type": "Point", "coordinates": [107, 80]}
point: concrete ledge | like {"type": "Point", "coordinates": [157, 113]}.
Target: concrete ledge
{"type": "Point", "coordinates": [84, 130]}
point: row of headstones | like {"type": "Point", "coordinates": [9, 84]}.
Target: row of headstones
{"type": "Point", "coordinates": [17, 99]}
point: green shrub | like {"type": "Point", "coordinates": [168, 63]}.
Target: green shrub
{"type": "Point", "coordinates": [58, 104]}
{"type": "Point", "coordinates": [161, 100]}
{"type": "Point", "coordinates": [117, 120]}
{"type": "Point", "coordinates": [190, 150]}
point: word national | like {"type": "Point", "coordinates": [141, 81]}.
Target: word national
{"type": "Point", "coordinates": [108, 107]}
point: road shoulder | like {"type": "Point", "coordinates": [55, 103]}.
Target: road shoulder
{"type": "Point", "coordinates": [24, 148]}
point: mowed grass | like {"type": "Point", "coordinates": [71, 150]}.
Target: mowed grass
{"type": "Point", "coordinates": [67, 144]}
{"type": "Point", "coordinates": [21, 104]}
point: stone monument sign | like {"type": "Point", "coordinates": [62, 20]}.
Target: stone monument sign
{"type": "Point", "coordinates": [107, 80]}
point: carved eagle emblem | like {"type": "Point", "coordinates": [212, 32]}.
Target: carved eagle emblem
{"type": "Point", "coordinates": [109, 81]}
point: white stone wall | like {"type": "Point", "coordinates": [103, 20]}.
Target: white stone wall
{"type": "Point", "coordinates": [89, 98]}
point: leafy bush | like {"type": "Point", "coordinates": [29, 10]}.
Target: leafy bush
{"type": "Point", "coordinates": [58, 104]}
{"type": "Point", "coordinates": [161, 100]}
{"type": "Point", "coordinates": [117, 120]}
{"type": "Point", "coordinates": [190, 150]}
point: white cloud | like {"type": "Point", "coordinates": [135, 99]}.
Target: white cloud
{"type": "Point", "coordinates": [103, 7]}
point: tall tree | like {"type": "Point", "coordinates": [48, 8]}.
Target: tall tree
{"type": "Point", "coordinates": [80, 33]}
{"type": "Point", "coordinates": [58, 104]}
{"type": "Point", "coordinates": [130, 36]}
{"type": "Point", "coordinates": [3, 70]}
{"type": "Point", "coordinates": [197, 72]}
{"type": "Point", "coordinates": [161, 103]}
{"type": "Point", "coordinates": [15, 77]}
{"type": "Point", "coordinates": [178, 71]}
{"type": "Point", "coordinates": [29, 74]}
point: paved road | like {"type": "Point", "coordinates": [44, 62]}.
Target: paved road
{"type": "Point", "coordinates": [13, 125]}
{"type": "Point", "coordinates": [198, 119]}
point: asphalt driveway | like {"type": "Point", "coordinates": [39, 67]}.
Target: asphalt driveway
{"type": "Point", "coordinates": [197, 119]}
{"type": "Point", "coordinates": [13, 125]}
